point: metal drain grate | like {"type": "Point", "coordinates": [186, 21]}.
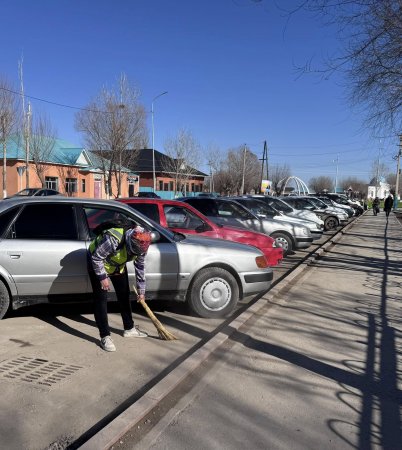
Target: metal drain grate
{"type": "Point", "coordinates": [36, 370]}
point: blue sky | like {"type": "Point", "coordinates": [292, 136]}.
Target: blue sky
{"type": "Point", "coordinates": [228, 67]}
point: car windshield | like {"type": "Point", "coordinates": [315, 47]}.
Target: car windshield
{"type": "Point", "coordinates": [327, 201]}
{"type": "Point", "coordinates": [26, 192]}
{"type": "Point", "coordinates": [279, 205]}
{"type": "Point", "coordinates": [233, 210]}
{"type": "Point", "coordinates": [300, 203]}
{"type": "Point", "coordinates": [317, 202]}
{"type": "Point", "coordinates": [257, 207]}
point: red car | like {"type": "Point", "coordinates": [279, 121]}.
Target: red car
{"type": "Point", "coordinates": [183, 218]}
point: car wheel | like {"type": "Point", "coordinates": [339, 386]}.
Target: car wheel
{"type": "Point", "coordinates": [4, 300]}
{"type": "Point", "coordinates": [214, 293]}
{"type": "Point", "coordinates": [331, 223]}
{"type": "Point", "coordinates": [283, 241]}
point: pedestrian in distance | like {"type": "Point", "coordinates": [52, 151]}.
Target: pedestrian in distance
{"type": "Point", "coordinates": [109, 254]}
{"type": "Point", "coordinates": [376, 206]}
{"type": "Point", "coordinates": [388, 203]}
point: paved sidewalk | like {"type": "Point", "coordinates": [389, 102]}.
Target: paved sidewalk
{"type": "Point", "coordinates": [319, 368]}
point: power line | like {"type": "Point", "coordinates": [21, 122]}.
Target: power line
{"type": "Point", "coordinates": [55, 103]}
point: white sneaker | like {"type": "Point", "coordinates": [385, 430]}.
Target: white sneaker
{"type": "Point", "coordinates": [107, 344]}
{"type": "Point", "coordinates": [134, 332]}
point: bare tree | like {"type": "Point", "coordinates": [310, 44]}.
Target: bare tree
{"type": "Point", "coordinates": [183, 157]}
{"type": "Point", "coordinates": [65, 173]}
{"type": "Point", "coordinates": [321, 183]}
{"type": "Point", "coordinates": [354, 183]}
{"type": "Point", "coordinates": [114, 125]}
{"type": "Point", "coordinates": [9, 121]}
{"type": "Point", "coordinates": [379, 170]}
{"type": "Point", "coordinates": [42, 144]}
{"type": "Point", "coordinates": [370, 31]}
{"type": "Point", "coordinates": [278, 173]}
{"type": "Point", "coordinates": [213, 157]}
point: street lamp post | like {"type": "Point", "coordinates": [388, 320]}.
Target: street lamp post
{"type": "Point", "coordinates": [153, 139]}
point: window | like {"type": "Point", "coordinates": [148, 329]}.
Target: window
{"type": "Point", "coordinates": [171, 188]}
{"type": "Point", "coordinates": [83, 186]}
{"type": "Point", "coordinates": [45, 221]}
{"type": "Point", "coordinates": [161, 185]}
{"type": "Point", "coordinates": [96, 216]}
{"type": "Point", "coordinates": [148, 210]}
{"type": "Point", "coordinates": [52, 183]}
{"type": "Point", "coordinates": [166, 186]}
{"type": "Point", "coordinates": [71, 185]}
{"type": "Point", "coordinates": [6, 218]}
{"type": "Point", "coordinates": [192, 187]}
{"type": "Point", "coordinates": [178, 217]}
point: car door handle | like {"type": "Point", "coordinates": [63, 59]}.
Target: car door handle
{"type": "Point", "coordinates": [14, 255]}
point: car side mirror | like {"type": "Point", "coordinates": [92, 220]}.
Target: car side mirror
{"type": "Point", "coordinates": [155, 236]}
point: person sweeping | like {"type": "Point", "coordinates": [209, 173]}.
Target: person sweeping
{"type": "Point", "coordinates": [109, 253]}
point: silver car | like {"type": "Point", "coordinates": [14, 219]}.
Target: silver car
{"type": "Point", "coordinates": [264, 209]}
{"type": "Point", "coordinates": [44, 248]}
{"type": "Point", "coordinates": [226, 211]}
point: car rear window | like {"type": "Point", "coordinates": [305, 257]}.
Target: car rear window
{"type": "Point", "coordinates": [5, 219]}
{"type": "Point", "coordinates": [45, 221]}
{"type": "Point", "coordinates": [148, 210]}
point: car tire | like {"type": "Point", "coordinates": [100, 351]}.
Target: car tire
{"type": "Point", "coordinates": [4, 300]}
{"type": "Point", "coordinates": [330, 223]}
{"type": "Point", "coordinates": [284, 241]}
{"type": "Point", "coordinates": [214, 292]}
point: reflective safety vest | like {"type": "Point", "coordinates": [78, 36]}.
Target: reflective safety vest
{"type": "Point", "coordinates": [114, 263]}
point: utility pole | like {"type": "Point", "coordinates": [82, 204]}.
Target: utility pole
{"type": "Point", "coordinates": [336, 175]}
{"type": "Point", "coordinates": [398, 157]}
{"type": "Point", "coordinates": [244, 169]}
{"type": "Point", "coordinates": [211, 177]}
{"type": "Point", "coordinates": [27, 138]}
{"type": "Point", "coordinates": [264, 158]}
{"type": "Point", "coordinates": [27, 122]}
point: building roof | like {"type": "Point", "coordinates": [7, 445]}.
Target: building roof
{"type": "Point", "coordinates": [63, 153]}
{"type": "Point", "coordinates": [144, 162]}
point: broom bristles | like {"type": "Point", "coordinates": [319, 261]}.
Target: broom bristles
{"type": "Point", "coordinates": [162, 331]}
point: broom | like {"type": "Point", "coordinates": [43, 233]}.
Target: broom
{"type": "Point", "coordinates": [162, 331]}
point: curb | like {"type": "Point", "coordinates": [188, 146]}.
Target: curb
{"type": "Point", "coordinates": [118, 427]}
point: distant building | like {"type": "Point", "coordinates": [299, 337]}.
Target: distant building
{"type": "Point", "coordinates": [69, 169]}
{"type": "Point", "coordinates": [380, 189]}
{"type": "Point", "coordinates": [165, 178]}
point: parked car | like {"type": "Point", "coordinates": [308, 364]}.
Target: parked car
{"type": "Point", "coordinates": [226, 211]}
{"type": "Point", "coordinates": [343, 200]}
{"type": "Point", "coordinates": [34, 192]}
{"type": "Point", "coordinates": [340, 213]}
{"type": "Point", "coordinates": [331, 220]}
{"type": "Point", "coordinates": [262, 209]}
{"type": "Point", "coordinates": [348, 209]}
{"type": "Point", "coordinates": [147, 194]}
{"type": "Point", "coordinates": [183, 218]}
{"type": "Point", "coordinates": [43, 257]}
{"type": "Point", "coordinates": [284, 207]}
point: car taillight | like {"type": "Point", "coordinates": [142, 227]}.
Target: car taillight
{"type": "Point", "coordinates": [261, 262]}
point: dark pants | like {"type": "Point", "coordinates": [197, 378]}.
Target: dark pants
{"type": "Point", "coordinates": [387, 211]}
{"type": "Point", "coordinates": [122, 289]}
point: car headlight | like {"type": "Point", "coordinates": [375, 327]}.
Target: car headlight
{"type": "Point", "coordinates": [305, 231]}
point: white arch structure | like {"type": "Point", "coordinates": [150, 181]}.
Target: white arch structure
{"type": "Point", "coordinates": [300, 189]}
